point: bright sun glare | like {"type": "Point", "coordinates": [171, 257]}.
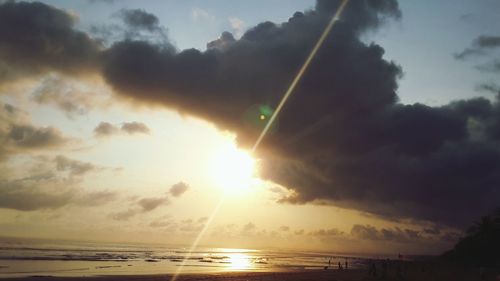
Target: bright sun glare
{"type": "Point", "coordinates": [239, 261]}
{"type": "Point", "coordinates": [233, 170]}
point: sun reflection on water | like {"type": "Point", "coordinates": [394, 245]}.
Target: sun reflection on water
{"type": "Point", "coordinates": [238, 261]}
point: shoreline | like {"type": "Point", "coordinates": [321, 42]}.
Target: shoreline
{"type": "Point", "coordinates": [413, 271]}
{"type": "Point", "coordinates": [320, 275]}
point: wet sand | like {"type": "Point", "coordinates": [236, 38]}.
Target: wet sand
{"type": "Point", "coordinates": [414, 272]}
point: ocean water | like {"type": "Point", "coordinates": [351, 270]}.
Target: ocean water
{"type": "Point", "coordinates": [20, 257]}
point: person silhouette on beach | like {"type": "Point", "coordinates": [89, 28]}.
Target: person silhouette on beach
{"type": "Point", "coordinates": [345, 263]}
{"type": "Point", "coordinates": [373, 269]}
{"type": "Point", "coordinates": [329, 264]}
{"type": "Point", "coordinates": [384, 268]}
{"type": "Point", "coordinates": [340, 266]}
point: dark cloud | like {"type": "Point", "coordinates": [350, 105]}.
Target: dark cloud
{"type": "Point", "coordinates": [480, 46]}
{"type": "Point", "coordinates": [37, 38]}
{"type": "Point", "coordinates": [178, 189]}
{"type": "Point", "coordinates": [107, 129]}
{"type": "Point", "coordinates": [342, 137]}
{"type": "Point", "coordinates": [224, 42]}
{"type": "Point", "coordinates": [139, 19]}
{"type": "Point", "coordinates": [135, 24]}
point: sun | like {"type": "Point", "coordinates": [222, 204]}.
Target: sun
{"type": "Point", "coordinates": [233, 170]}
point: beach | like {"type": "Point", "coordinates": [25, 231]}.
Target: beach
{"type": "Point", "coordinates": [414, 273]}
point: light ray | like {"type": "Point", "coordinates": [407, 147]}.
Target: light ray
{"type": "Point", "coordinates": [299, 75]}
{"type": "Point", "coordinates": [287, 94]}
{"type": "Point", "coordinates": [197, 240]}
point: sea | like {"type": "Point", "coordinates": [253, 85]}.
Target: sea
{"type": "Point", "coordinates": [27, 257]}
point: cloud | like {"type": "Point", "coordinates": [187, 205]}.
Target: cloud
{"type": "Point", "coordinates": [480, 46]}
{"type": "Point", "coordinates": [342, 138]}
{"type": "Point", "coordinates": [55, 90]}
{"type": "Point", "coordinates": [149, 204]}
{"type": "Point", "coordinates": [178, 189]}
{"type": "Point", "coordinates": [248, 229]}
{"type": "Point", "coordinates": [284, 228]}
{"type": "Point", "coordinates": [139, 19]}
{"type": "Point", "coordinates": [30, 137]}
{"type": "Point", "coordinates": [14, 195]}
{"type": "Point", "coordinates": [38, 38]}
{"type": "Point", "coordinates": [327, 232]}
{"type": "Point", "coordinates": [223, 42]}
{"type": "Point", "coordinates": [140, 206]}
{"type": "Point", "coordinates": [97, 198]}
{"type": "Point", "coordinates": [493, 66]}
{"type": "Point", "coordinates": [107, 129]}
{"type": "Point", "coordinates": [73, 167]}
{"type": "Point", "coordinates": [237, 25]}
{"type": "Point", "coordinates": [46, 191]}
{"type": "Point", "coordinates": [124, 215]}
{"type": "Point", "coordinates": [135, 127]}
{"type": "Point", "coordinates": [489, 87]}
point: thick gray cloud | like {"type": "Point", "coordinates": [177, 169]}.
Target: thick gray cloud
{"type": "Point", "coordinates": [342, 137]}
{"type": "Point", "coordinates": [178, 189]}
{"type": "Point", "coordinates": [139, 19]}
{"type": "Point", "coordinates": [37, 38]}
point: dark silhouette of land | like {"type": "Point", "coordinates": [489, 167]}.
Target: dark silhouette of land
{"type": "Point", "coordinates": [480, 246]}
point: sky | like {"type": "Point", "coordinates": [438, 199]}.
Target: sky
{"type": "Point", "coordinates": [132, 121]}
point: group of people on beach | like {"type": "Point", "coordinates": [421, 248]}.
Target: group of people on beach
{"type": "Point", "coordinates": [340, 267]}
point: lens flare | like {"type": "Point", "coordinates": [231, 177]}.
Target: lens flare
{"type": "Point", "coordinates": [291, 88]}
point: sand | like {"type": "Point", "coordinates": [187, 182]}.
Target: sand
{"type": "Point", "coordinates": [414, 272]}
